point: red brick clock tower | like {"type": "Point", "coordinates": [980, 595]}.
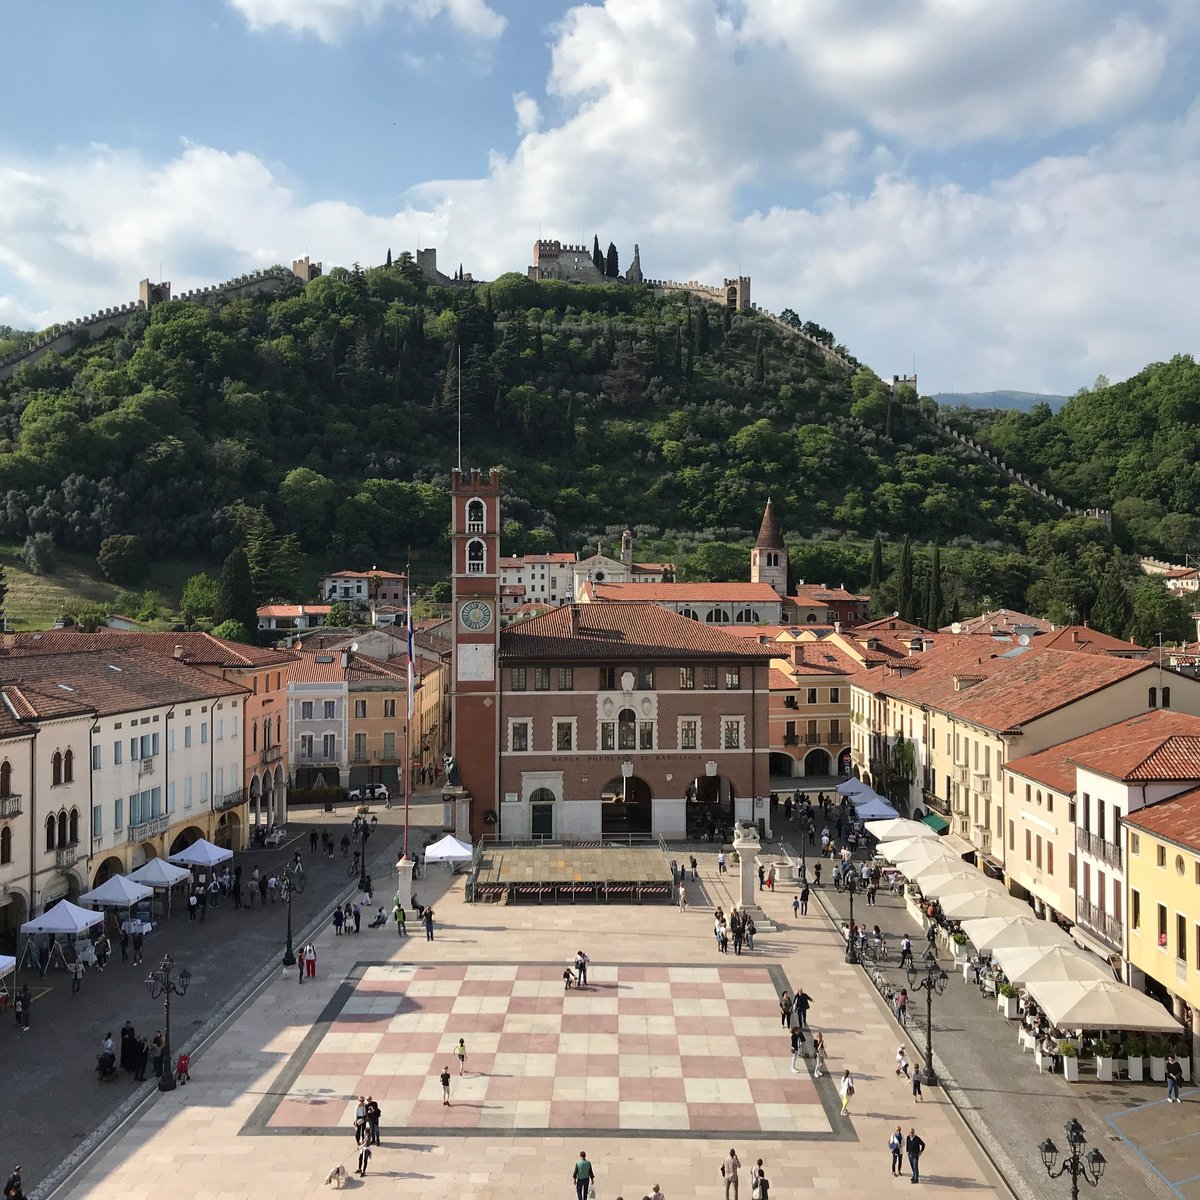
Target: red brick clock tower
{"type": "Point", "coordinates": [475, 617]}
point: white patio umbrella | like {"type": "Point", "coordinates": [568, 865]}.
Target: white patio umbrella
{"type": "Point", "coordinates": [850, 786]}
{"type": "Point", "coordinates": [201, 853]}
{"type": "Point", "coordinates": [899, 827]}
{"type": "Point", "coordinates": [935, 877]}
{"type": "Point", "coordinates": [924, 847]}
{"type": "Point", "coordinates": [158, 873]}
{"type": "Point", "coordinates": [994, 933]}
{"type": "Point", "coordinates": [920, 854]}
{"type": "Point", "coordinates": [1102, 1004]}
{"type": "Point", "coordinates": [116, 892]}
{"type": "Point", "coordinates": [991, 903]}
{"type": "Point", "coordinates": [1049, 964]}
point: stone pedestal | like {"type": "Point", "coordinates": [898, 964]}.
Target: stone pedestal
{"type": "Point", "coordinates": [404, 874]}
{"type": "Point", "coordinates": [456, 812]}
{"type": "Point", "coordinates": [747, 845]}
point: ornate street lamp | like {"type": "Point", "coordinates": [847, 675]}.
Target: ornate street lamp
{"type": "Point", "coordinates": [293, 881]}
{"type": "Point", "coordinates": [1077, 1164]}
{"type": "Point", "coordinates": [160, 983]}
{"type": "Point", "coordinates": [851, 887]}
{"type": "Point", "coordinates": [931, 979]}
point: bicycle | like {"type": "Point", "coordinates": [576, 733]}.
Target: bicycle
{"type": "Point", "coordinates": [355, 866]}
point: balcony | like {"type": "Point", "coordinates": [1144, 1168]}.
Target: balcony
{"type": "Point", "coordinates": [146, 830]}
{"type": "Point", "coordinates": [1097, 847]}
{"type": "Point", "coordinates": [387, 756]}
{"type": "Point", "coordinates": [1098, 921]}
{"type": "Point", "coordinates": [10, 806]}
{"type": "Point", "coordinates": [812, 739]}
{"type": "Point", "coordinates": [228, 801]}
{"type": "Point", "coordinates": [790, 739]}
{"type": "Point", "coordinates": [982, 784]}
{"type": "Point", "coordinates": [270, 754]}
{"type": "Point", "coordinates": [360, 756]}
{"type": "Point", "coordinates": [983, 839]}
{"type": "Point", "coordinates": [961, 772]}
{"type": "Point", "coordinates": [65, 856]}
{"type": "Point", "coordinates": [145, 766]}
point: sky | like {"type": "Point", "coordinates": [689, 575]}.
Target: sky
{"type": "Point", "coordinates": [997, 194]}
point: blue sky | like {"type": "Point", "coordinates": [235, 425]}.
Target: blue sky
{"type": "Point", "coordinates": [1004, 193]}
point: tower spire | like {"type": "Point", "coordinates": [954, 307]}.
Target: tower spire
{"type": "Point", "coordinates": [770, 536]}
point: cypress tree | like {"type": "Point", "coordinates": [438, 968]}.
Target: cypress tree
{"type": "Point", "coordinates": [726, 319]}
{"type": "Point", "coordinates": [702, 329]}
{"type": "Point", "coordinates": [955, 612]}
{"type": "Point", "coordinates": [876, 567]}
{"type": "Point", "coordinates": [760, 363]}
{"type": "Point", "coordinates": [677, 358]}
{"type": "Point", "coordinates": [935, 604]}
{"type": "Point", "coordinates": [1113, 609]}
{"type": "Point", "coordinates": [904, 580]}
{"type": "Point", "coordinates": [235, 593]}
{"type": "Point", "coordinates": [597, 256]}
{"type": "Point", "coordinates": [611, 267]}
{"type": "Point", "coordinates": [388, 264]}
{"type": "Point", "coordinates": [3, 599]}
{"type": "Point", "coordinates": [690, 361]}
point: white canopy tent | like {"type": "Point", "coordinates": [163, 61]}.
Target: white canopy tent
{"type": "Point", "coordinates": [201, 853]}
{"type": "Point", "coordinates": [899, 828]}
{"type": "Point", "coordinates": [995, 933]}
{"type": "Point", "coordinates": [117, 892]}
{"type": "Point", "coordinates": [64, 920]}
{"type": "Point", "coordinates": [8, 965]}
{"type": "Point", "coordinates": [1049, 964]}
{"type": "Point", "coordinates": [850, 786]}
{"type": "Point", "coordinates": [868, 807]}
{"type": "Point", "coordinates": [990, 903]}
{"type": "Point", "coordinates": [157, 873]}
{"type": "Point", "coordinates": [450, 850]}
{"type": "Point", "coordinates": [1102, 1004]}
{"type": "Point", "coordinates": [937, 877]}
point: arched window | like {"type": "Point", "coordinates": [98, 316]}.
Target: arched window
{"type": "Point", "coordinates": [254, 736]}
{"type": "Point", "coordinates": [542, 796]}
{"type": "Point", "coordinates": [5, 778]}
{"type": "Point", "coordinates": [56, 764]}
{"type": "Point", "coordinates": [267, 733]}
{"type": "Point", "coordinates": [1166, 697]}
{"type": "Point", "coordinates": [73, 828]}
{"type": "Point", "coordinates": [746, 616]}
{"type": "Point", "coordinates": [718, 616]}
{"type": "Point", "coordinates": [627, 729]}
{"type": "Point", "coordinates": [62, 828]}
{"type": "Point", "coordinates": [476, 557]}
{"type": "Point", "coordinates": [476, 517]}
{"type": "Point", "coordinates": [5, 845]}
{"type": "Point", "coordinates": [69, 766]}
{"type": "Point", "coordinates": [1153, 698]}
{"type": "Point", "coordinates": [690, 613]}
{"type": "Point", "coordinates": [50, 829]}
{"type": "Point", "coordinates": [278, 728]}
{"type": "Point", "coordinates": [812, 618]}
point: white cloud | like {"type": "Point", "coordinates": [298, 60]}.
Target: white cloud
{"type": "Point", "coordinates": [529, 114]}
{"type": "Point", "coordinates": [332, 20]}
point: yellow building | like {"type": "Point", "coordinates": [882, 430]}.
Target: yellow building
{"type": "Point", "coordinates": [1162, 846]}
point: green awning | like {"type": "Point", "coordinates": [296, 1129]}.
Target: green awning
{"type": "Point", "coordinates": [936, 823]}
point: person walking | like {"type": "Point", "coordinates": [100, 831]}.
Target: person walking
{"type": "Point", "coordinates": [720, 862]}
{"type": "Point", "coordinates": [364, 1157]}
{"type": "Point", "coordinates": [339, 919]}
{"type": "Point", "coordinates": [797, 1046]}
{"type": "Point", "coordinates": [916, 1084]}
{"type": "Point", "coordinates": [896, 1146]}
{"type": "Point", "coordinates": [461, 1051]}
{"type": "Point", "coordinates": [901, 1062]}
{"type": "Point", "coordinates": [801, 1005]}
{"type": "Point", "coordinates": [358, 918]}
{"type": "Point", "coordinates": [584, 1176]}
{"type": "Point", "coordinates": [300, 966]}
{"type": "Point", "coordinates": [428, 924]}
{"type": "Point", "coordinates": [156, 1053]}
{"type": "Point", "coordinates": [682, 891]}
{"type": "Point", "coordinates": [124, 944]}
{"type": "Point", "coordinates": [846, 1091]}
{"type": "Point", "coordinates": [103, 950]}
{"type": "Point", "coordinates": [360, 1121]}
{"type": "Point", "coordinates": [581, 967]}
{"type": "Point", "coordinates": [137, 941]}
{"type": "Point", "coordinates": [310, 961]}
{"type": "Point", "coordinates": [795, 907]}
{"type": "Point", "coordinates": [785, 1009]}
{"type": "Point", "coordinates": [445, 1077]}
{"type": "Point", "coordinates": [695, 867]}
{"type": "Point", "coordinates": [820, 1062]}
{"type": "Point", "coordinates": [374, 1114]}
{"type": "Point", "coordinates": [1174, 1079]}
{"type": "Point", "coordinates": [399, 917]}
{"type": "Point", "coordinates": [914, 1147]}
{"type": "Point", "coordinates": [76, 969]}
{"type": "Point", "coordinates": [906, 955]}
{"type": "Point", "coordinates": [804, 895]}
{"type": "Point", "coordinates": [762, 876]}
{"type": "Point", "coordinates": [312, 841]}
{"type": "Point", "coordinates": [141, 1051]}
{"type": "Point", "coordinates": [729, 1169]}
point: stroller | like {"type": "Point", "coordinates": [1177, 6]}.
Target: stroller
{"type": "Point", "coordinates": [182, 1075]}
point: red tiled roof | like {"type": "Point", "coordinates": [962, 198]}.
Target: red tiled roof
{"type": "Point", "coordinates": [372, 574]}
{"type": "Point", "coordinates": [198, 649]}
{"type": "Point", "coordinates": [1082, 639]}
{"type": "Point", "coordinates": [336, 666]}
{"type": "Point", "coordinates": [513, 561]}
{"type": "Point", "coordinates": [679, 593]}
{"type": "Point", "coordinates": [809, 594]}
{"type": "Point", "coordinates": [1176, 819]}
{"type": "Point", "coordinates": [1001, 620]}
{"type": "Point", "coordinates": [649, 568]}
{"type": "Point", "coordinates": [890, 625]}
{"type": "Point", "coordinates": [620, 631]}
{"type": "Point", "coordinates": [293, 610]}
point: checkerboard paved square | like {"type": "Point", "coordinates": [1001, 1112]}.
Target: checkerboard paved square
{"type": "Point", "coordinates": [693, 1050]}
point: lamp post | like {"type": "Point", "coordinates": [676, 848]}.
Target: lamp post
{"type": "Point", "coordinates": [289, 886]}
{"type": "Point", "coordinates": [932, 979]}
{"type": "Point", "coordinates": [363, 834]}
{"type": "Point", "coordinates": [851, 888]}
{"type": "Point", "coordinates": [1077, 1164]}
{"type": "Point", "coordinates": [160, 983]}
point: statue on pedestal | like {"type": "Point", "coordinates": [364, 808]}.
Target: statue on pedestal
{"type": "Point", "coordinates": [450, 766]}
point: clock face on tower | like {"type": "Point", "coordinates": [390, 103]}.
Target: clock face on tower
{"type": "Point", "coordinates": [476, 615]}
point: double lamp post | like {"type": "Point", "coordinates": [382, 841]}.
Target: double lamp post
{"type": "Point", "coordinates": [162, 982]}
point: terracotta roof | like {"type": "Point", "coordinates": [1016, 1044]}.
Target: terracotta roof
{"type": "Point", "coordinates": [30, 702]}
{"type": "Point", "coordinates": [620, 631]}
{"type": "Point", "coordinates": [1082, 639]}
{"type": "Point", "coordinates": [1015, 684]}
{"type": "Point", "coordinates": [770, 536]}
{"type": "Point", "coordinates": [1176, 819]}
{"type": "Point", "coordinates": [1000, 620]}
{"type": "Point", "coordinates": [680, 593]}
{"type": "Point", "coordinates": [890, 624]}
{"type": "Point", "coordinates": [293, 610]}
{"type": "Point", "coordinates": [818, 593]}
{"type": "Point", "coordinates": [433, 642]}
{"type": "Point", "coordinates": [371, 574]}
{"type": "Point", "coordinates": [512, 589]}
{"type": "Point", "coordinates": [653, 568]}
{"type": "Point", "coordinates": [517, 560]}
{"type": "Point", "coordinates": [198, 649]}
{"type": "Point", "coordinates": [114, 680]}
{"type": "Point", "coordinates": [337, 666]}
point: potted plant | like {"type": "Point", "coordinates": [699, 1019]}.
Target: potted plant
{"type": "Point", "coordinates": [1135, 1062]}
{"type": "Point", "coordinates": [1070, 1058]}
{"type": "Point", "coordinates": [1104, 1060]}
{"type": "Point", "coordinates": [960, 946]}
{"type": "Point", "coordinates": [1007, 1001]}
{"type": "Point", "coordinates": [1156, 1048]}
{"type": "Point", "coordinates": [1183, 1052]}
{"type": "Point", "coordinates": [490, 818]}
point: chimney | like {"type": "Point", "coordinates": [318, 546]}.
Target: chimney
{"type": "Point", "coordinates": [1075, 636]}
{"type": "Point", "coordinates": [837, 626]}
{"type": "Point", "coordinates": [178, 651]}
{"type": "Point", "coordinates": [574, 618]}
{"type": "Point", "coordinates": [345, 659]}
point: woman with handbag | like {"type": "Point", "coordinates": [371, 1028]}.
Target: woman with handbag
{"type": "Point", "coordinates": [820, 1062]}
{"type": "Point", "coordinates": [846, 1091]}
{"type": "Point", "coordinates": [756, 1179]}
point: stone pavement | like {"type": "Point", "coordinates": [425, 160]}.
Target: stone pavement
{"type": "Point", "coordinates": [233, 1133]}
{"type": "Point", "coordinates": [1011, 1107]}
{"type": "Point", "coordinates": [52, 1097]}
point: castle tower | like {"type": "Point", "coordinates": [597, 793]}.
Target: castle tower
{"type": "Point", "coordinates": [305, 269]}
{"type": "Point", "coordinates": [627, 550]}
{"type": "Point", "coordinates": [768, 559]}
{"type": "Point", "coordinates": [475, 636]}
{"type": "Point", "coordinates": [634, 273]}
{"type": "Point", "coordinates": [150, 294]}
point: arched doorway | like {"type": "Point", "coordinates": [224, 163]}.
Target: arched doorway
{"type": "Point", "coordinates": [143, 852]}
{"type": "Point", "coordinates": [106, 870]}
{"type": "Point", "coordinates": [816, 762]}
{"type": "Point", "coordinates": [844, 762]}
{"type": "Point", "coordinates": [12, 915]}
{"type": "Point", "coordinates": [709, 806]}
{"type": "Point", "coordinates": [256, 801]}
{"type": "Point", "coordinates": [782, 765]}
{"type": "Point", "coordinates": [541, 813]}
{"type": "Point", "coordinates": [229, 831]}
{"type": "Point", "coordinates": [184, 839]}
{"type": "Point", "coordinates": [626, 806]}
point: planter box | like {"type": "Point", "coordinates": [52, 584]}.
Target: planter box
{"type": "Point", "coordinates": [1071, 1069]}
{"type": "Point", "coordinates": [968, 971]}
{"type": "Point", "coordinates": [1136, 1069]}
{"type": "Point", "coordinates": [1009, 1006]}
{"type": "Point", "coordinates": [1186, 1064]}
{"type": "Point", "coordinates": [1158, 1069]}
{"type": "Point", "coordinates": [1106, 1069]}
{"type": "Point", "coordinates": [961, 956]}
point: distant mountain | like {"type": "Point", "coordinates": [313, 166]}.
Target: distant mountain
{"type": "Point", "coordinates": [1022, 401]}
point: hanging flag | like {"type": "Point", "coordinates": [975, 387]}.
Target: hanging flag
{"type": "Point", "coordinates": [411, 661]}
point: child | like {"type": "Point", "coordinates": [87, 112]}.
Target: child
{"type": "Point", "coordinates": [568, 979]}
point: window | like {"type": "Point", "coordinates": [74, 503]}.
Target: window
{"type": "Point", "coordinates": [187, 736]}
{"type": "Point", "coordinates": [50, 827]}
{"type": "Point", "coordinates": [562, 735]}
{"type": "Point", "coordinates": [835, 695]}
{"type": "Point", "coordinates": [203, 786]}
{"type": "Point", "coordinates": [733, 678]}
{"type": "Point", "coordinates": [1049, 857]}
{"type": "Point", "coordinates": [520, 735]}
{"type": "Point", "coordinates": [389, 708]}
{"type": "Point", "coordinates": [541, 679]}
{"type": "Point", "coordinates": [204, 733]}
{"type": "Point", "coordinates": [645, 679]}
{"type": "Point", "coordinates": [687, 679]}
{"type": "Point", "coordinates": [233, 732]}
{"type": "Point", "coordinates": [566, 679]}
{"type": "Point", "coordinates": [626, 729]}
{"type": "Point", "coordinates": [811, 696]}
{"type": "Point", "coordinates": [219, 732]}
{"type": "Point", "coordinates": [360, 709]}
{"type": "Point", "coordinates": [1135, 909]}
{"type": "Point", "coordinates": [1181, 937]}
{"type": "Point", "coordinates": [645, 735]}
{"type": "Point", "coordinates": [56, 769]}
{"type": "Point", "coordinates": [95, 758]}
{"type": "Point", "coordinates": [731, 737]}
{"type": "Point", "coordinates": [1012, 835]}
{"type": "Point", "coordinates": [389, 745]}
{"type": "Point", "coordinates": [187, 792]}
{"type": "Point", "coordinates": [69, 766]}
{"type": "Point", "coordinates": [118, 747]}
{"type": "Point", "coordinates": [718, 616]}
{"type": "Point", "coordinates": [330, 710]}
{"type": "Point", "coordinates": [1152, 698]}
{"type": "Point", "coordinates": [1072, 807]}
{"type": "Point", "coordinates": [73, 828]}
{"type": "Point", "coordinates": [254, 736]}
{"type": "Point", "coordinates": [687, 734]}
{"type": "Point", "coordinates": [608, 679]}
{"type": "Point", "coordinates": [518, 679]}
{"type": "Point", "coordinates": [329, 747]}
{"type": "Point", "coordinates": [1039, 852]}
{"type": "Point", "coordinates": [709, 678]}
{"type": "Point", "coordinates": [360, 746]}
{"type": "Point", "coordinates": [5, 845]}
{"type": "Point", "coordinates": [1162, 926]}
{"type": "Point", "coordinates": [220, 791]}
{"type": "Point", "coordinates": [1166, 697]}
{"type": "Point", "coordinates": [476, 514]}
{"type": "Point", "coordinates": [97, 821]}
{"type": "Point", "coordinates": [608, 735]}
{"type": "Point", "coordinates": [1049, 802]}
{"type": "Point", "coordinates": [171, 737]}
{"type": "Point", "coordinates": [1162, 856]}
{"type": "Point", "coordinates": [306, 710]}
{"type": "Point", "coordinates": [306, 745]}
{"type": "Point", "coordinates": [476, 557]}
{"type": "Point", "coordinates": [690, 613]}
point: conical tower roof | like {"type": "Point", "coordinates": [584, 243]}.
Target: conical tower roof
{"type": "Point", "coordinates": [770, 536]}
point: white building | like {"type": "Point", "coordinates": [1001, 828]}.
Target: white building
{"type": "Point", "coordinates": [536, 579]}
{"type": "Point", "coordinates": [361, 589]}
{"type": "Point", "coordinates": [709, 603]}
{"type": "Point", "coordinates": [600, 568]}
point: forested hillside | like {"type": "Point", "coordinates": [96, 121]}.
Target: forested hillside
{"type": "Point", "coordinates": [323, 420]}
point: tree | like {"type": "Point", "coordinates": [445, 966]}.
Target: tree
{"type": "Point", "coordinates": [1113, 611]}
{"type": "Point", "coordinates": [123, 558]}
{"type": "Point", "coordinates": [233, 631]}
{"type": "Point", "coordinates": [760, 362]}
{"type": "Point", "coordinates": [90, 617]}
{"type": "Point", "coordinates": [1155, 612]}
{"type": "Point", "coordinates": [3, 598]}
{"type": "Point", "coordinates": [388, 264]}
{"type": "Point", "coordinates": [199, 596]}
{"type": "Point", "coordinates": [341, 615]}
{"type": "Point", "coordinates": [876, 576]}
{"type": "Point", "coordinates": [38, 554]}
{"type": "Point", "coordinates": [935, 604]}
{"type": "Point", "coordinates": [718, 562]}
{"type": "Point", "coordinates": [903, 577]}
{"type": "Point", "coordinates": [306, 498]}
{"type": "Point", "coordinates": [597, 256]}
{"type": "Point", "coordinates": [611, 267]}
{"type": "Point", "coordinates": [235, 592]}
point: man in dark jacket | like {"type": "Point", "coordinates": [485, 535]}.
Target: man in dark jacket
{"type": "Point", "coordinates": [914, 1147]}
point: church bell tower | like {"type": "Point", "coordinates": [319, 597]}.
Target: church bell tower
{"type": "Point", "coordinates": [768, 559]}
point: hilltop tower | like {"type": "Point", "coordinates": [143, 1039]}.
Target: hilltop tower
{"type": "Point", "coordinates": [627, 550]}
{"type": "Point", "coordinates": [768, 559]}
